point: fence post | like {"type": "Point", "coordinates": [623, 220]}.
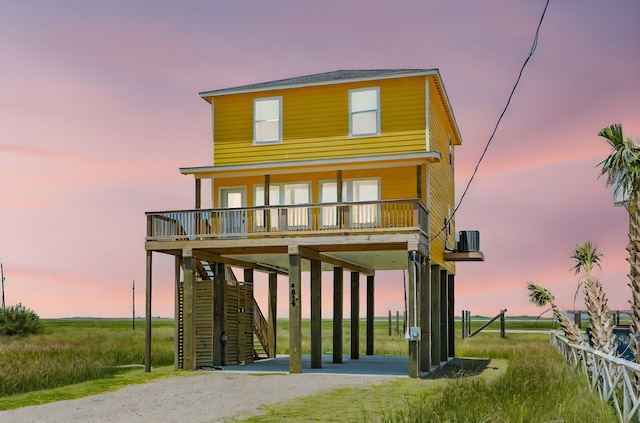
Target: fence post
{"type": "Point", "coordinates": [502, 335]}
{"type": "Point", "coordinates": [389, 322]}
{"type": "Point", "coordinates": [464, 324]}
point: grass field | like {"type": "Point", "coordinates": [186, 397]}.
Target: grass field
{"type": "Point", "coordinates": [526, 380]}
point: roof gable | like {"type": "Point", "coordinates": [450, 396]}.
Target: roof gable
{"type": "Point", "coordinates": [321, 79]}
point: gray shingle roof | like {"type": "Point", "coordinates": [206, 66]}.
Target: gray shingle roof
{"type": "Point", "coordinates": [319, 78]}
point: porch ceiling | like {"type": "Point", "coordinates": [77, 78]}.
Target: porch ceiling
{"type": "Point", "coordinates": [362, 253]}
{"type": "Point", "coordinates": [375, 260]}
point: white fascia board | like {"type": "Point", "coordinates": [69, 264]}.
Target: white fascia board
{"type": "Point", "coordinates": [446, 98]}
{"type": "Point", "coordinates": [428, 155]}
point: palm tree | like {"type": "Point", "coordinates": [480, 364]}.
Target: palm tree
{"type": "Point", "coordinates": [622, 169]}
{"type": "Point", "coordinates": [540, 296]}
{"type": "Point", "coordinates": [586, 257]}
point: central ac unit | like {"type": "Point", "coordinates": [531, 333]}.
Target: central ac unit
{"type": "Point", "coordinates": [469, 241]}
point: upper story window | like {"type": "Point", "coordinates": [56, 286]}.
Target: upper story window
{"type": "Point", "coordinates": [364, 112]}
{"type": "Point", "coordinates": [267, 120]}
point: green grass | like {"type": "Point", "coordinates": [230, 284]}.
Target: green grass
{"type": "Point", "coordinates": [78, 350]}
{"type": "Point", "coordinates": [522, 379]}
{"type": "Point", "coordinates": [79, 390]}
{"type": "Point", "coordinates": [517, 379]}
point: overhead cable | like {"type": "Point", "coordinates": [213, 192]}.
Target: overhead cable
{"type": "Point", "coordinates": [495, 129]}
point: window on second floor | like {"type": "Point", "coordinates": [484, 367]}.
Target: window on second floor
{"type": "Point", "coordinates": [267, 120]}
{"type": "Point", "coordinates": [364, 112]}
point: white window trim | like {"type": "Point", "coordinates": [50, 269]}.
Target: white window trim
{"type": "Point", "coordinates": [377, 133]}
{"type": "Point", "coordinates": [347, 187]}
{"type": "Point", "coordinates": [238, 188]}
{"type": "Point", "coordinates": [255, 121]}
{"type": "Point", "coordinates": [282, 185]}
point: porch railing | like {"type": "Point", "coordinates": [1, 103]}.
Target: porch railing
{"type": "Point", "coordinates": [372, 216]}
{"type": "Point", "coordinates": [615, 379]}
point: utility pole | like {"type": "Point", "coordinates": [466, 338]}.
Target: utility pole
{"type": "Point", "coordinates": [134, 305]}
{"type": "Point", "coordinates": [2, 277]}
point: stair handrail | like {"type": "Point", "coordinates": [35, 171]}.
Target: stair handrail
{"type": "Point", "coordinates": [260, 326]}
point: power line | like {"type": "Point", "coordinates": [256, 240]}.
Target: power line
{"type": "Point", "coordinates": [495, 129]}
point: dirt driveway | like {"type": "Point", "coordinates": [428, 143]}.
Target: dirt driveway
{"type": "Point", "coordinates": [194, 397]}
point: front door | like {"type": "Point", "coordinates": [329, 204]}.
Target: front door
{"type": "Point", "coordinates": [233, 222]}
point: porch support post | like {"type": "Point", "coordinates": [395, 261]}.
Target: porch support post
{"type": "Point", "coordinates": [295, 311]}
{"type": "Point", "coordinates": [451, 315]}
{"type": "Point", "coordinates": [435, 315]}
{"type": "Point", "coordinates": [355, 315]}
{"type": "Point", "coordinates": [272, 325]}
{"type": "Point", "coordinates": [267, 214]}
{"type": "Point", "coordinates": [444, 316]}
{"type": "Point", "coordinates": [419, 182]}
{"type": "Point", "coordinates": [147, 329]}
{"type": "Point", "coordinates": [198, 193]}
{"type": "Point", "coordinates": [316, 314]}
{"type": "Point", "coordinates": [219, 324]}
{"type": "Point", "coordinates": [370, 315]}
{"type": "Point", "coordinates": [176, 314]}
{"type": "Point", "coordinates": [425, 316]}
{"type": "Point", "coordinates": [188, 311]}
{"type": "Point", "coordinates": [340, 209]}
{"type": "Point", "coordinates": [338, 297]}
{"type": "Point", "coordinates": [412, 317]}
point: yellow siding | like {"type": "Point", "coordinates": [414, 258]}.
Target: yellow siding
{"type": "Point", "coordinates": [395, 183]}
{"type": "Point", "coordinates": [441, 180]}
{"type": "Point", "coordinates": [315, 123]}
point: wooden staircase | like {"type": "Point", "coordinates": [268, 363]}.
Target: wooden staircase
{"type": "Point", "coordinates": [261, 332]}
{"type": "Point", "coordinates": [260, 342]}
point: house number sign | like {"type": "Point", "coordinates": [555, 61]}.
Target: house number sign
{"type": "Point", "coordinates": [293, 295]}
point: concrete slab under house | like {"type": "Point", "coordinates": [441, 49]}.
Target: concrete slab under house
{"type": "Point", "coordinates": [345, 171]}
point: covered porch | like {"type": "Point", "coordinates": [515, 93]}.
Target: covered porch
{"type": "Point", "coordinates": [393, 238]}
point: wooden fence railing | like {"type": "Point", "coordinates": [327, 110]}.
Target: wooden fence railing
{"type": "Point", "coordinates": [370, 216]}
{"type": "Point", "coordinates": [615, 379]}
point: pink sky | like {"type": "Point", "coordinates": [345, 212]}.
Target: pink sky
{"type": "Point", "coordinates": [99, 107]}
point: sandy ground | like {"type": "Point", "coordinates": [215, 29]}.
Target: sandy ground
{"type": "Point", "coordinates": [198, 397]}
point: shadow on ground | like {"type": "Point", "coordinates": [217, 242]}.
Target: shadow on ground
{"type": "Point", "coordinates": [460, 368]}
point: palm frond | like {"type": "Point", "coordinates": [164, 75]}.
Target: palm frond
{"type": "Point", "coordinates": [539, 295]}
{"type": "Point", "coordinates": [586, 256]}
{"type": "Point", "coordinates": [622, 166]}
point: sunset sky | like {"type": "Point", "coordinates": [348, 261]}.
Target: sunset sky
{"type": "Point", "coordinates": [99, 107]}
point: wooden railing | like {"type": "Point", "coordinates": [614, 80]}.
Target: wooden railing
{"type": "Point", "coordinates": [304, 219]}
{"type": "Point", "coordinates": [615, 379]}
{"type": "Point", "coordinates": [260, 327]}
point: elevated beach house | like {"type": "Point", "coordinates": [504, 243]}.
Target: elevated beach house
{"type": "Point", "coordinates": [345, 171]}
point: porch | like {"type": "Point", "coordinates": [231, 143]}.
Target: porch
{"type": "Point", "coordinates": [357, 237]}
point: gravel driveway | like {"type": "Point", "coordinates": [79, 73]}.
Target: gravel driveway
{"type": "Point", "coordinates": [195, 397]}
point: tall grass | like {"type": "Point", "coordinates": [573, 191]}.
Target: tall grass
{"type": "Point", "coordinates": [517, 379]}
{"type": "Point", "coordinates": [538, 386]}
{"type": "Point", "coordinates": [77, 350]}
{"type": "Point", "coordinates": [526, 381]}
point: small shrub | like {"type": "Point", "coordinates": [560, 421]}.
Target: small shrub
{"type": "Point", "coordinates": [19, 320]}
